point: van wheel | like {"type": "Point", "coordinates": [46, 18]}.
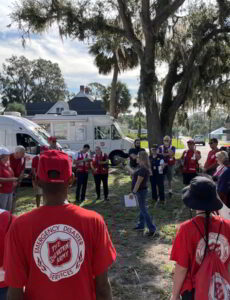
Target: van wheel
{"type": "Point", "coordinates": [203, 144]}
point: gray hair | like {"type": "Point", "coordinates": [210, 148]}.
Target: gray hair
{"type": "Point", "coordinates": [222, 155]}
{"type": "Point", "coordinates": [20, 149]}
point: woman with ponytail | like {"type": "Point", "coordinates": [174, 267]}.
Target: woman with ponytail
{"type": "Point", "coordinates": [197, 236]}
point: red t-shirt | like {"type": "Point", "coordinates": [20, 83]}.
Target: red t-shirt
{"type": "Point", "coordinates": [35, 162]}
{"type": "Point", "coordinates": [60, 256]}
{"type": "Point", "coordinates": [17, 165]}
{"type": "Point", "coordinates": [5, 221]}
{"type": "Point", "coordinates": [188, 246]}
{"type": "Point", "coordinates": [6, 172]}
{"type": "Point", "coordinates": [211, 159]}
{"type": "Point", "coordinates": [100, 169]}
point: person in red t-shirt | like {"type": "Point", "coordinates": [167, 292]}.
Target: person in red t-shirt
{"type": "Point", "coordinates": [17, 163]}
{"type": "Point", "coordinates": [58, 250]}
{"type": "Point", "coordinates": [5, 221]}
{"type": "Point", "coordinates": [7, 180]}
{"type": "Point", "coordinates": [37, 189]}
{"type": "Point", "coordinates": [82, 162]}
{"type": "Point", "coordinates": [100, 168]}
{"type": "Point", "coordinates": [197, 235]}
{"type": "Point", "coordinates": [211, 163]}
{"type": "Point", "coordinates": [189, 162]}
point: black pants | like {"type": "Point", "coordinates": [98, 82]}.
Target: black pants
{"type": "Point", "coordinates": [157, 181]}
{"type": "Point", "coordinates": [188, 295]}
{"type": "Point", "coordinates": [98, 178]}
{"type": "Point", "coordinates": [82, 179]}
{"type": "Point", "coordinates": [187, 177]}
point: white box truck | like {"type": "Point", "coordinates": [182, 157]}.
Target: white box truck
{"type": "Point", "coordinates": [73, 131]}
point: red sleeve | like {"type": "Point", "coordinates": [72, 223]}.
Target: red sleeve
{"type": "Point", "coordinates": [15, 265]}
{"type": "Point", "coordinates": [104, 254]}
{"type": "Point", "coordinates": [180, 253]}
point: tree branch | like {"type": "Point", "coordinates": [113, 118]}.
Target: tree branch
{"type": "Point", "coordinates": [128, 27]}
{"type": "Point", "coordinates": [165, 13]}
{"type": "Point", "coordinates": [197, 48]}
{"type": "Point", "coordinates": [145, 19]}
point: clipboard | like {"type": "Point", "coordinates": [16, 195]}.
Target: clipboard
{"type": "Point", "coordinates": [130, 202]}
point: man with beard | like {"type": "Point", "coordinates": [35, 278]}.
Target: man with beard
{"type": "Point", "coordinates": [133, 153]}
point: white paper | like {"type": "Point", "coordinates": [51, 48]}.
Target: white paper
{"type": "Point", "coordinates": [130, 202]}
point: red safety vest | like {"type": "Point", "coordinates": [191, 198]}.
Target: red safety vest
{"type": "Point", "coordinates": [83, 166]}
{"type": "Point", "coordinates": [100, 169]}
{"type": "Point", "coordinates": [190, 161]}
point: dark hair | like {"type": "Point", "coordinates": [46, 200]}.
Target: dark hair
{"type": "Point", "coordinates": [137, 140]}
{"type": "Point", "coordinates": [214, 140]}
{"type": "Point", "coordinates": [86, 146]}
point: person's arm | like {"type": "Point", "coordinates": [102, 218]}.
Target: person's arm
{"type": "Point", "coordinates": [198, 155]}
{"type": "Point", "coordinates": [15, 294]}
{"type": "Point", "coordinates": [103, 288]}
{"type": "Point", "coordinates": [178, 279]}
{"type": "Point", "coordinates": [213, 166]}
{"type": "Point", "coordinates": [129, 169]}
{"type": "Point", "coordinates": [104, 162]}
{"type": "Point", "coordinates": [92, 167]}
{"type": "Point", "coordinates": [2, 179]}
{"type": "Point", "coordinates": [138, 183]}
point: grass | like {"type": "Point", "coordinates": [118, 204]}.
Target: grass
{"type": "Point", "coordinates": [176, 143]}
{"type": "Point", "coordinates": [142, 269]}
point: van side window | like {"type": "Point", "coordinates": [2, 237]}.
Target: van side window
{"type": "Point", "coordinates": [28, 142]}
{"type": "Point", "coordinates": [115, 134]}
{"type": "Point", "coordinates": [102, 133]}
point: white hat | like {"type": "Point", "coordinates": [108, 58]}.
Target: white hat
{"type": "Point", "coordinates": [4, 151]}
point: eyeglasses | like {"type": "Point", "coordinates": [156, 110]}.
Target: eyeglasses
{"type": "Point", "coordinates": [166, 140]}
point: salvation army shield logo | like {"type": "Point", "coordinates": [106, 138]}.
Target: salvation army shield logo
{"type": "Point", "coordinates": [219, 288]}
{"type": "Point", "coordinates": [59, 251]}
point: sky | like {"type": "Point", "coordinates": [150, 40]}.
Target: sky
{"type": "Point", "coordinates": [76, 64]}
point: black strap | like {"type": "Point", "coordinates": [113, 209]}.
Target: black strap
{"type": "Point", "coordinates": [204, 236]}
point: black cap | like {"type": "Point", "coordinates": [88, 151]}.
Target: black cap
{"type": "Point", "coordinates": [201, 195]}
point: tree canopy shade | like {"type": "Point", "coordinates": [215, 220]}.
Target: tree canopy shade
{"type": "Point", "coordinates": [24, 81]}
{"type": "Point", "coordinates": [159, 31]}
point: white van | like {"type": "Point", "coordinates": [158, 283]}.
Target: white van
{"type": "Point", "coordinates": [15, 131]}
{"type": "Point", "coordinates": [73, 131]}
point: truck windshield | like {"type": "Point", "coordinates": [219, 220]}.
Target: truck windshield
{"type": "Point", "coordinates": [42, 135]}
{"type": "Point", "coordinates": [119, 129]}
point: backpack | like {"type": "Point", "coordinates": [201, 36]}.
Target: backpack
{"type": "Point", "coordinates": [212, 281]}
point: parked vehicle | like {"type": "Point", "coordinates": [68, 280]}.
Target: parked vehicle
{"type": "Point", "coordinates": [199, 140]}
{"type": "Point", "coordinates": [15, 131]}
{"type": "Point", "coordinates": [73, 131]}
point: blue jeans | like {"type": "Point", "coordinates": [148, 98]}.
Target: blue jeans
{"type": "Point", "coordinates": [3, 293]}
{"type": "Point", "coordinates": [144, 216]}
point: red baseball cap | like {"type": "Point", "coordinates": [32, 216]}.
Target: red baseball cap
{"type": "Point", "coordinates": [44, 148]}
{"type": "Point", "coordinates": [52, 139]}
{"type": "Point", "coordinates": [54, 166]}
